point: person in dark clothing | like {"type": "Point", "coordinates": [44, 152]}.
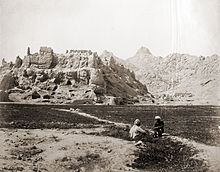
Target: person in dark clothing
{"type": "Point", "coordinates": [158, 127]}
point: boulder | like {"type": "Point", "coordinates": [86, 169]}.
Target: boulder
{"type": "Point", "coordinates": [47, 96]}
{"type": "Point", "coordinates": [30, 72]}
{"type": "Point", "coordinates": [67, 82]}
{"type": "Point", "coordinates": [4, 96]}
{"type": "Point", "coordinates": [24, 83]}
{"type": "Point", "coordinates": [58, 78]}
{"type": "Point", "coordinates": [7, 82]}
{"type": "Point", "coordinates": [96, 77]}
{"type": "Point", "coordinates": [42, 77]}
{"type": "Point", "coordinates": [35, 95]}
{"type": "Point", "coordinates": [99, 90]}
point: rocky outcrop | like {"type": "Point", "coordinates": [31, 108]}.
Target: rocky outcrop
{"type": "Point", "coordinates": [96, 77]}
{"type": "Point", "coordinates": [106, 55]}
{"type": "Point", "coordinates": [18, 62]}
{"type": "Point", "coordinates": [7, 81]}
{"type": "Point", "coordinates": [4, 96]}
{"type": "Point", "coordinates": [35, 95]}
{"type": "Point", "coordinates": [4, 63]}
{"type": "Point", "coordinates": [75, 75]}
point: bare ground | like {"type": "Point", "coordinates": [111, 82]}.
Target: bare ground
{"type": "Point", "coordinates": [63, 150]}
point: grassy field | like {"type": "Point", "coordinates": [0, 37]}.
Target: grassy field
{"type": "Point", "coordinates": [199, 123]}
{"type": "Point", "coordinates": [41, 116]}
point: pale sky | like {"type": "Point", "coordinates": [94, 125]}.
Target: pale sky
{"type": "Point", "coordinates": [119, 26]}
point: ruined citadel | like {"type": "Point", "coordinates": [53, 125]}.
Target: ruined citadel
{"type": "Point", "coordinates": [85, 76]}
{"type": "Point", "coordinates": [77, 75]}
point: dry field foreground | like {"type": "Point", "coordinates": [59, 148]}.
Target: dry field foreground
{"type": "Point", "coordinates": [55, 138]}
{"type": "Point", "coordinates": [63, 150]}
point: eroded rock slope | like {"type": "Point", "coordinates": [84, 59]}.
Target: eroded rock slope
{"type": "Point", "coordinates": [76, 76]}
{"type": "Point", "coordinates": [179, 77]}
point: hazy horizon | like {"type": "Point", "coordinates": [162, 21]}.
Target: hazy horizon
{"type": "Point", "coordinates": [119, 26]}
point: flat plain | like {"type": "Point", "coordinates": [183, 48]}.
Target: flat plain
{"type": "Point", "coordinates": [43, 138]}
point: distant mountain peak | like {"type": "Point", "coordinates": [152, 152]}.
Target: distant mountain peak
{"type": "Point", "coordinates": [143, 51]}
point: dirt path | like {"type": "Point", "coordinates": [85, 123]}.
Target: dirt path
{"type": "Point", "coordinates": [93, 117]}
{"type": "Point", "coordinates": [210, 154]}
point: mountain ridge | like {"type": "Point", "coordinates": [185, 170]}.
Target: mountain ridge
{"type": "Point", "coordinates": [180, 77]}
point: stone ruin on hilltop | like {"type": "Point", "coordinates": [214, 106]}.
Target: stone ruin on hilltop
{"type": "Point", "coordinates": [74, 75]}
{"type": "Point", "coordinates": [45, 59]}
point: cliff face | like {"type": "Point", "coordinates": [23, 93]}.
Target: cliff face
{"type": "Point", "coordinates": [179, 77]}
{"type": "Point", "coordinates": [75, 75]}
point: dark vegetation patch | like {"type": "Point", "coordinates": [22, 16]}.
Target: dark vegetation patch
{"type": "Point", "coordinates": [199, 123]}
{"type": "Point", "coordinates": [42, 116]}
{"type": "Point", "coordinates": [167, 155]}
{"type": "Point", "coordinates": [160, 154]}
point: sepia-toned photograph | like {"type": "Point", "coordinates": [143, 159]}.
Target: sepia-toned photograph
{"type": "Point", "coordinates": [110, 85]}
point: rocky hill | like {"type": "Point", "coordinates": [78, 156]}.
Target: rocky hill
{"type": "Point", "coordinates": [78, 76]}
{"type": "Point", "coordinates": [84, 77]}
{"type": "Point", "coordinates": [179, 77]}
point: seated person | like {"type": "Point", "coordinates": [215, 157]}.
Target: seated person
{"type": "Point", "coordinates": [158, 127]}
{"type": "Point", "coordinates": [136, 132]}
